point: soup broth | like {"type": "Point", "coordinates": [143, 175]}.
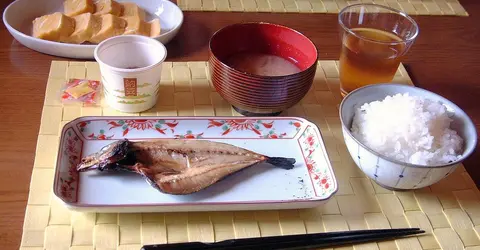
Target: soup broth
{"type": "Point", "coordinates": [262, 64]}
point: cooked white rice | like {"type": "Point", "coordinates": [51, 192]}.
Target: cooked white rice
{"type": "Point", "coordinates": [409, 129]}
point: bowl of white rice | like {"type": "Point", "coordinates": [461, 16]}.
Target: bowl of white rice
{"type": "Point", "coordinates": [404, 137]}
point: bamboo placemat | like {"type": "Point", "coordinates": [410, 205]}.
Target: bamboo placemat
{"type": "Point", "coordinates": [449, 210]}
{"type": "Point", "coordinates": [412, 7]}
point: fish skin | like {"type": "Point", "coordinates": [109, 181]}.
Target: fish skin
{"type": "Point", "coordinates": [178, 166]}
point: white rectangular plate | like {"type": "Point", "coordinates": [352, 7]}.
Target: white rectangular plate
{"type": "Point", "coordinates": [260, 187]}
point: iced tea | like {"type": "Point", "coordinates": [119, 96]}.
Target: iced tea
{"type": "Point", "coordinates": [375, 39]}
{"type": "Point", "coordinates": [365, 62]}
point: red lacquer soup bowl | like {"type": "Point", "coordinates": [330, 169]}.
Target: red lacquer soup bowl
{"type": "Point", "coordinates": [249, 92]}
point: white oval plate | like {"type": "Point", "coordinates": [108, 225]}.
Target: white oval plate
{"type": "Point", "coordinates": [18, 17]}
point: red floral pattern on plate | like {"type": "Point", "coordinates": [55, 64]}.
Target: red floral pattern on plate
{"type": "Point", "coordinates": [321, 176]}
{"type": "Point", "coordinates": [256, 126]}
{"type": "Point", "coordinates": [240, 124]}
{"type": "Point", "coordinates": [71, 150]}
{"type": "Point", "coordinates": [100, 136]}
{"type": "Point", "coordinates": [91, 130]}
{"type": "Point", "coordinates": [273, 135]}
{"type": "Point", "coordinates": [296, 124]}
{"type": "Point", "coordinates": [189, 135]}
{"type": "Point", "coordinates": [104, 129]}
{"type": "Point", "coordinates": [143, 124]}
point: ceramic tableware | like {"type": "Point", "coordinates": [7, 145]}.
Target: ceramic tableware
{"type": "Point", "coordinates": [390, 173]}
{"type": "Point", "coordinates": [310, 183]}
{"type": "Point", "coordinates": [131, 69]}
{"type": "Point", "coordinates": [18, 17]}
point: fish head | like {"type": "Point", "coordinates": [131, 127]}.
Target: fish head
{"type": "Point", "coordinates": [106, 157]}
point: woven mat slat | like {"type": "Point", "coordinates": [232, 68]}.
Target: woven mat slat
{"type": "Point", "coordinates": [449, 211]}
{"type": "Point", "coordinates": [412, 7]}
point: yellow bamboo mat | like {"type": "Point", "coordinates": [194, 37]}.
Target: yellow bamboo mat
{"type": "Point", "coordinates": [449, 210]}
{"type": "Point", "coordinates": [413, 7]}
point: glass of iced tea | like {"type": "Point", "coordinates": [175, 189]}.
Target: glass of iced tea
{"type": "Point", "coordinates": [375, 39]}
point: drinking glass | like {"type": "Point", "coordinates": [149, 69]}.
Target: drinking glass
{"type": "Point", "coordinates": [375, 39]}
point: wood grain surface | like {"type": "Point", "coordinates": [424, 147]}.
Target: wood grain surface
{"type": "Point", "coordinates": [445, 59]}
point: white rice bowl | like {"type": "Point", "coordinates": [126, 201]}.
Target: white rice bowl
{"type": "Point", "coordinates": [409, 129]}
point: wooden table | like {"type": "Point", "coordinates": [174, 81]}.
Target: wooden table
{"type": "Point", "coordinates": [445, 59]}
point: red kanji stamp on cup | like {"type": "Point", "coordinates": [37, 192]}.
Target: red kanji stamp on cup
{"type": "Point", "coordinates": [130, 86]}
{"type": "Point", "coordinates": [131, 69]}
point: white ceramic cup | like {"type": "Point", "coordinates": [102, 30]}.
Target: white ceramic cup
{"type": "Point", "coordinates": [131, 69]}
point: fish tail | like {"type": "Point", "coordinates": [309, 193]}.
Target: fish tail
{"type": "Point", "coordinates": [285, 163]}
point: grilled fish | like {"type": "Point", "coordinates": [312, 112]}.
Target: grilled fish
{"type": "Point", "coordinates": [177, 166]}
